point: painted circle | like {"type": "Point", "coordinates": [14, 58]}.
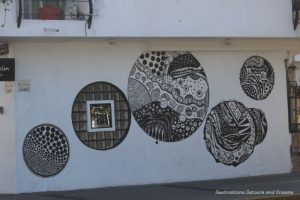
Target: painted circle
{"type": "Point", "coordinates": [257, 77]}
{"type": "Point", "coordinates": [232, 131]}
{"type": "Point", "coordinates": [260, 123]}
{"type": "Point", "coordinates": [168, 91]}
{"type": "Point", "coordinates": [44, 156]}
{"type": "Point", "coordinates": [101, 140]}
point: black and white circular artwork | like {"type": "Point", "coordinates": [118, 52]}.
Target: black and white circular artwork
{"type": "Point", "coordinates": [232, 131]}
{"type": "Point", "coordinates": [168, 94]}
{"type": "Point", "coordinates": [46, 150]}
{"type": "Point", "coordinates": [101, 94]}
{"type": "Point", "coordinates": [257, 77]}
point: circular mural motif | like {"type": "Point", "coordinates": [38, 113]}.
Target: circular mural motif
{"type": "Point", "coordinates": [257, 77]}
{"type": "Point", "coordinates": [168, 94]}
{"type": "Point", "coordinates": [101, 116]}
{"type": "Point", "coordinates": [232, 131]}
{"type": "Point", "coordinates": [46, 150]}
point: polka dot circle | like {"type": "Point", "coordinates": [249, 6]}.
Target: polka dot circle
{"type": "Point", "coordinates": [43, 156]}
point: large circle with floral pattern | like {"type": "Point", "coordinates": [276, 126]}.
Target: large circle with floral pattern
{"type": "Point", "coordinates": [46, 150]}
{"type": "Point", "coordinates": [168, 94]}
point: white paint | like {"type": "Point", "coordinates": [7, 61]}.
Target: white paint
{"type": "Point", "coordinates": [167, 18]}
{"type": "Point", "coordinates": [59, 70]}
{"type": "Point", "coordinates": [7, 139]}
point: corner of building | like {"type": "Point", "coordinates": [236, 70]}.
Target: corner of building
{"type": "Point", "coordinates": [7, 138]}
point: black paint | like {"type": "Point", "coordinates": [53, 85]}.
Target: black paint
{"type": "Point", "coordinates": [7, 69]}
{"type": "Point", "coordinates": [46, 150]}
{"type": "Point", "coordinates": [232, 131]}
{"type": "Point", "coordinates": [257, 77]}
{"type": "Point", "coordinates": [168, 94]}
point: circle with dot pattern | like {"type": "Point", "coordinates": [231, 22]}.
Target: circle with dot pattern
{"type": "Point", "coordinates": [168, 94]}
{"type": "Point", "coordinates": [46, 150]}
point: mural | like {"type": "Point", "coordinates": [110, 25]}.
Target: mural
{"type": "Point", "coordinates": [46, 150]}
{"type": "Point", "coordinates": [168, 94]}
{"type": "Point", "coordinates": [101, 115]}
{"type": "Point", "coordinates": [232, 131]}
{"type": "Point", "coordinates": [257, 77]}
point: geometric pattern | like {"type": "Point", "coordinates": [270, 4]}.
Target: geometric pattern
{"type": "Point", "coordinates": [168, 94]}
{"type": "Point", "coordinates": [101, 139]}
{"type": "Point", "coordinates": [46, 150]}
{"type": "Point", "coordinates": [232, 131]}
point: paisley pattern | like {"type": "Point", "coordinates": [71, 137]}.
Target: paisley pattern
{"type": "Point", "coordinates": [232, 131]}
{"type": "Point", "coordinates": [168, 94]}
{"type": "Point", "coordinates": [257, 77]}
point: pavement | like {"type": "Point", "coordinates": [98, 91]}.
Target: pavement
{"type": "Point", "coordinates": [285, 186]}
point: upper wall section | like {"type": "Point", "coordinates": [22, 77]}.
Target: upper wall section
{"type": "Point", "coordinates": [167, 18]}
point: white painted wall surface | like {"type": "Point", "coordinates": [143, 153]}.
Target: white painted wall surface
{"type": "Point", "coordinates": [167, 18]}
{"type": "Point", "coordinates": [59, 70]}
{"type": "Point", "coordinates": [7, 139]}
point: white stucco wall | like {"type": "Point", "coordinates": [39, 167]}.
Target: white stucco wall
{"type": "Point", "coordinates": [57, 71]}
{"type": "Point", "coordinates": [167, 18]}
{"type": "Point", "coordinates": [7, 139]}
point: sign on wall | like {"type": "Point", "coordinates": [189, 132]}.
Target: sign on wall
{"type": "Point", "coordinates": [4, 48]}
{"type": "Point", "coordinates": [7, 69]}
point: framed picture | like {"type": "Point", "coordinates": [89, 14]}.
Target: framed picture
{"type": "Point", "coordinates": [100, 116]}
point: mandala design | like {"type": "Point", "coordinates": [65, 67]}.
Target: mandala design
{"type": "Point", "coordinates": [46, 150]}
{"type": "Point", "coordinates": [257, 77]}
{"type": "Point", "coordinates": [168, 94]}
{"type": "Point", "coordinates": [232, 131]}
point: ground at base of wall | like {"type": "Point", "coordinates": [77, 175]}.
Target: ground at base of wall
{"type": "Point", "coordinates": [257, 187]}
{"type": "Point", "coordinates": [293, 197]}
